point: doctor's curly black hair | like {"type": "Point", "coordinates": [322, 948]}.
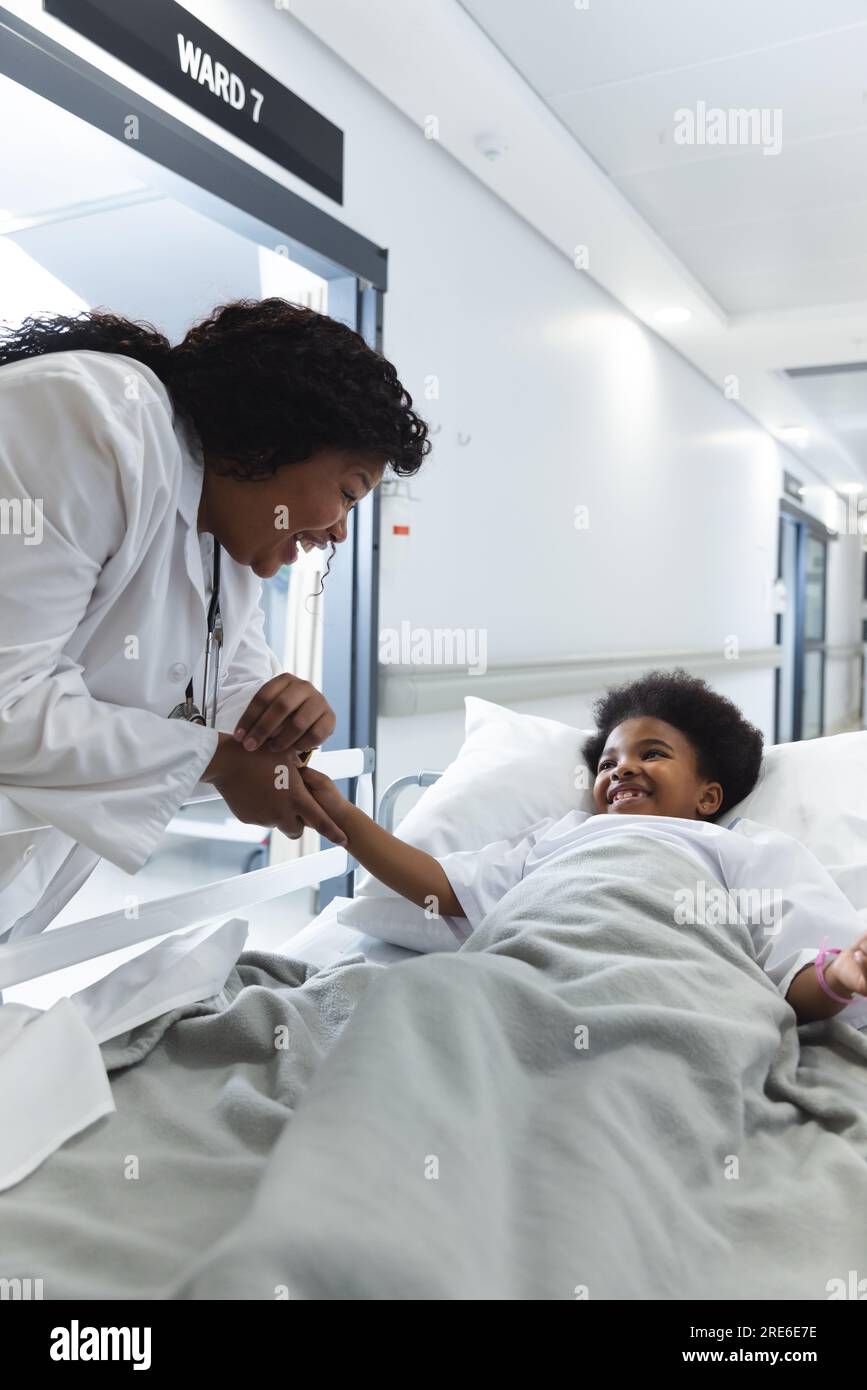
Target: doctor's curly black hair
{"type": "Point", "coordinates": [728, 749]}
{"type": "Point", "coordinates": [265, 382]}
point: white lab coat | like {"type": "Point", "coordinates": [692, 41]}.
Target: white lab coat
{"type": "Point", "coordinates": [102, 623]}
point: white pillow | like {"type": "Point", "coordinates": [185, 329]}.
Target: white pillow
{"type": "Point", "coordinates": [511, 770]}
{"type": "Point", "coordinates": [402, 923]}
{"type": "Point", "coordinates": [816, 791]}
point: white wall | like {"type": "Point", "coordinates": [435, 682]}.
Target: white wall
{"type": "Point", "coordinates": [568, 402]}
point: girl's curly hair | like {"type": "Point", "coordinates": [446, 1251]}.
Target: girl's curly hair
{"type": "Point", "coordinates": [728, 749]}
{"type": "Point", "coordinates": [265, 382]}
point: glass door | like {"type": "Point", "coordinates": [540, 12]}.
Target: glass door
{"type": "Point", "coordinates": [801, 626]}
{"type": "Point", "coordinates": [813, 637]}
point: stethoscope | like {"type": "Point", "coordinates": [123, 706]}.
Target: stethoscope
{"type": "Point", "coordinates": [213, 646]}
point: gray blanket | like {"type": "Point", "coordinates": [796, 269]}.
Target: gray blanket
{"type": "Point", "coordinates": [586, 1100]}
{"type": "Point", "coordinates": [202, 1094]}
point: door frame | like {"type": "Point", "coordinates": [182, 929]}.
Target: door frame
{"type": "Point", "coordinates": [252, 203]}
{"type": "Point", "coordinates": [193, 169]}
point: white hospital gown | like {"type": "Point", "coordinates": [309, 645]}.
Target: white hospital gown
{"type": "Point", "coordinates": [784, 895]}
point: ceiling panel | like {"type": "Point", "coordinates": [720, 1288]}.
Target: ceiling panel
{"type": "Point", "coordinates": [560, 48]}
{"type": "Point", "coordinates": [759, 231]}
{"type": "Point", "coordinates": [818, 86]}
{"type": "Point", "coordinates": [787, 241]}
{"type": "Point", "coordinates": [816, 174]}
{"type": "Point", "coordinates": [777, 291]}
{"type": "Point", "coordinates": [839, 399]}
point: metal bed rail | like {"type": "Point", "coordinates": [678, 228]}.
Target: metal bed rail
{"type": "Point", "coordinates": [388, 800]}
{"type": "Point", "coordinates": [28, 957]}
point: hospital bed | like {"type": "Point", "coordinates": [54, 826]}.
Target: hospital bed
{"type": "Point", "coordinates": [437, 1129]}
{"type": "Point", "coordinates": [27, 958]}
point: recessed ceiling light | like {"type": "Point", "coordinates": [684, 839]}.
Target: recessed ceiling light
{"type": "Point", "coordinates": [794, 434]}
{"type": "Point", "coordinates": [849, 487]}
{"type": "Point", "coordinates": [674, 314]}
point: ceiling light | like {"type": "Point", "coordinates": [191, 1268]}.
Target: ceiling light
{"type": "Point", "coordinates": [673, 314]}
{"type": "Point", "coordinates": [849, 487]}
{"type": "Point", "coordinates": [794, 434]}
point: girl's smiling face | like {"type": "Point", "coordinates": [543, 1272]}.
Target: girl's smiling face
{"type": "Point", "coordinates": [649, 768]}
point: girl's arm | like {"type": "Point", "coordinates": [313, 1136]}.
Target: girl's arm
{"type": "Point", "coordinates": [845, 974]}
{"type": "Point", "coordinates": [410, 872]}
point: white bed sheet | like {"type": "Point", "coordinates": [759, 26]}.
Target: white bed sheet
{"type": "Point", "coordinates": [325, 940]}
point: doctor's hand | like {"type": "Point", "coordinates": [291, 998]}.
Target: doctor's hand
{"type": "Point", "coordinates": [247, 782]}
{"type": "Point", "coordinates": [286, 715]}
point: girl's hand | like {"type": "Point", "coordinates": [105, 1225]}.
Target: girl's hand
{"type": "Point", "coordinates": [247, 783]}
{"type": "Point", "coordinates": [286, 715]}
{"type": "Point", "coordinates": [847, 973]}
{"type": "Point", "coordinates": [324, 793]}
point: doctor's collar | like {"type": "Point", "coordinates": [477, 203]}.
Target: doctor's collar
{"type": "Point", "coordinates": [192, 471]}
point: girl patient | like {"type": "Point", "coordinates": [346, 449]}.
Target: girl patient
{"type": "Point", "coordinates": [670, 757]}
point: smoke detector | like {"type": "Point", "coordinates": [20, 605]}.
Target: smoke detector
{"type": "Point", "coordinates": [491, 145]}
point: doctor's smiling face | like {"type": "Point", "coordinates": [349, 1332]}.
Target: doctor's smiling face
{"type": "Point", "coordinates": [315, 496]}
{"type": "Point", "coordinates": [649, 768]}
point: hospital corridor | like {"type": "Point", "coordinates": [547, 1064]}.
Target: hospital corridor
{"type": "Point", "coordinates": [433, 668]}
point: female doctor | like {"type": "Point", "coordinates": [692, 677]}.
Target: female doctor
{"type": "Point", "coordinates": [145, 491]}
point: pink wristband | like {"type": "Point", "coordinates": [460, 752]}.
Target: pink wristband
{"type": "Point", "coordinates": [820, 972]}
